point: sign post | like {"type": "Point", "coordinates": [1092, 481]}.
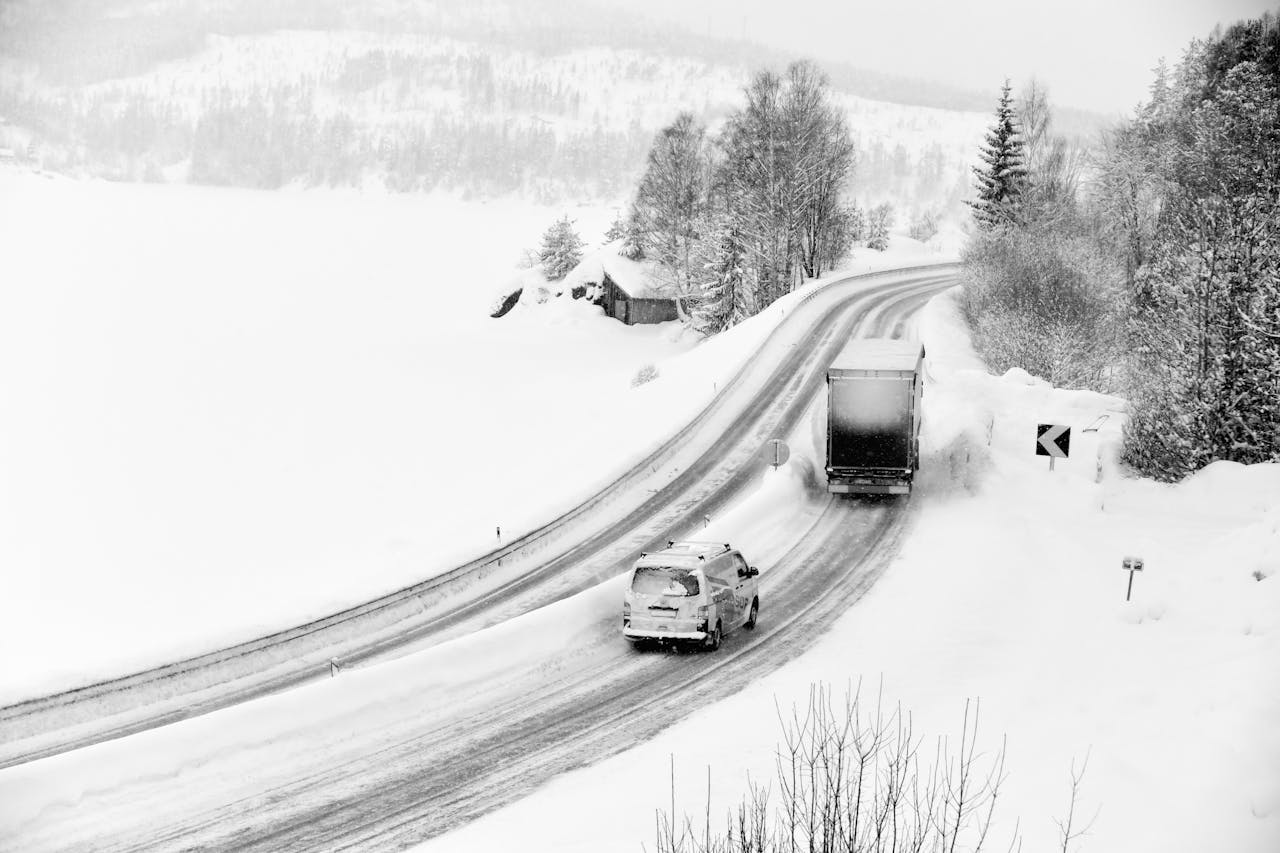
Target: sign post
{"type": "Point", "coordinates": [1054, 441]}
{"type": "Point", "coordinates": [776, 452]}
{"type": "Point", "coordinates": [1131, 565]}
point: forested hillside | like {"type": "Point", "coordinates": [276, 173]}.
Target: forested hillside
{"type": "Point", "coordinates": [1156, 273]}
{"type": "Point", "coordinates": [551, 101]}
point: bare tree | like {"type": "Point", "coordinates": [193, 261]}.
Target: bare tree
{"type": "Point", "coordinates": [1068, 831]}
{"type": "Point", "coordinates": [1053, 162]}
{"type": "Point", "coordinates": [670, 200]}
{"type": "Point", "coordinates": [787, 160]}
{"type": "Point", "coordinates": [851, 779]}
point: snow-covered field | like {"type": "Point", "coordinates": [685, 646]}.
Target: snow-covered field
{"type": "Point", "coordinates": [223, 412]}
{"type": "Point", "coordinates": [1010, 590]}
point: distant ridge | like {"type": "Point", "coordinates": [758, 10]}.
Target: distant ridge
{"type": "Point", "coordinates": [85, 41]}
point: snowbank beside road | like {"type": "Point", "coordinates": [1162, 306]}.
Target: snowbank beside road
{"type": "Point", "coordinates": [228, 412]}
{"type": "Point", "coordinates": [1010, 589]}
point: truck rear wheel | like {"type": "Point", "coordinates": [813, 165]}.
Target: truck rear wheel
{"type": "Point", "coordinates": [755, 611]}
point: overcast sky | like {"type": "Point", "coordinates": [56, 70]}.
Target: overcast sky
{"type": "Point", "coordinates": [1093, 54]}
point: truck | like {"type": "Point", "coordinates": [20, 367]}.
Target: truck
{"type": "Point", "coordinates": [874, 389]}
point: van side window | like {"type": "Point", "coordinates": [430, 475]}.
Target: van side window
{"type": "Point", "coordinates": [739, 564]}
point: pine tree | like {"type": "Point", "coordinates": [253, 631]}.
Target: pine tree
{"type": "Point", "coordinates": [617, 229]}
{"type": "Point", "coordinates": [725, 277]}
{"type": "Point", "coordinates": [879, 221]}
{"type": "Point", "coordinates": [632, 238]}
{"type": "Point", "coordinates": [1000, 181]}
{"type": "Point", "coordinates": [561, 249]}
{"type": "Point", "coordinates": [1205, 331]}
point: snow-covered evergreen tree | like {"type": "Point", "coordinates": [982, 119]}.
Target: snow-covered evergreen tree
{"type": "Point", "coordinates": [561, 249]}
{"type": "Point", "coordinates": [617, 229]}
{"type": "Point", "coordinates": [879, 221]}
{"type": "Point", "coordinates": [725, 277]}
{"type": "Point", "coordinates": [1001, 178]}
{"type": "Point", "coordinates": [632, 238]}
{"type": "Point", "coordinates": [1205, 332]}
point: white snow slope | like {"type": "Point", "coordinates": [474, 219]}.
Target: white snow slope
{"type": "Point", "coordinates": [225, 412]}
{"type": "Point", "coordinates": [1010, 590]}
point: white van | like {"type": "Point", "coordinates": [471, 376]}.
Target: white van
{"type": "Point", "coordinates": [691, 592]}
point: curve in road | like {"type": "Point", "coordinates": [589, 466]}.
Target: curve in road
{"type": "Point", "coordinates": [427, 768]}
{"type": "Point", "coordinates": [699, 470]}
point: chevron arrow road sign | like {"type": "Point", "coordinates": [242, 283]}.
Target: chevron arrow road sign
{"type": "Point", "coordinates": [1053, 440]}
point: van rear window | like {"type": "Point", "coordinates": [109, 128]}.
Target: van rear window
{"type": "Point", "coordinates": [664, 580]}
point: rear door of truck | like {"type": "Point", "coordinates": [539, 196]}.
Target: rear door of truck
{"type": "Point", "coordinates": [871, 421]}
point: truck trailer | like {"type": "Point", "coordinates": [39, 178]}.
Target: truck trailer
{"type": "Point", "coordinates": [874, 388]}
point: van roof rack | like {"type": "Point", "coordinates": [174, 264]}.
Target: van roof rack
{"type": "Point", "coordinates": [706, 547]}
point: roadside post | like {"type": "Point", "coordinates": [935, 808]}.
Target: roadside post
{"type": "Point", "coordinates": [1131, 565]}
{"type": "Point", "coordinates": [776, 452]}
{"type": "Point", "coordinates": [1054, 441]}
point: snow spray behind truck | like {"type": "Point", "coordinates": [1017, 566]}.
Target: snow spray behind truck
{"type": "Point", "coordinates": [873, 416]}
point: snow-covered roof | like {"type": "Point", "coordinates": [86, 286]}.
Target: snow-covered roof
{"type": "Point", "coordinates": [639, 279]}
{"type": "Point", "coordinates": [878, 354]}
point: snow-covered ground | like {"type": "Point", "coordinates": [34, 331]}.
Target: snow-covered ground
{"type": "Point", "coordinates": [224, 412]}
{"type": "Point", "coordinates": [1010, 590]}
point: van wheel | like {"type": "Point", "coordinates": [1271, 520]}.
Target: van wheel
{"type": "Point", "coordinates": [755, 611]}
{"type": "Point", "coordinates": [713, 641]}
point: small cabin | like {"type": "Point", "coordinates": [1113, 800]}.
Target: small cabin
{"type": "Point", "coordinates": [633, 303]}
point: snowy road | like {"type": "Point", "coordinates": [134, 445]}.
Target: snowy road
{"type": "Point", "coordinates": [385, 756]}
{"type": "Point", "coordinates": [698, 471]}
{"type": "Point", "coordinates": [447, 760]}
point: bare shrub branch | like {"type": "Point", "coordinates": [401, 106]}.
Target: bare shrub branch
{"type": "Point", "coordinates": [851, 779]}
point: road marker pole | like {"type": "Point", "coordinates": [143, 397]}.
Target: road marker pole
{"type": "Point", "coordinates": [776, 452]}
{"type": "Point", "coordinates": [1131, 565]}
